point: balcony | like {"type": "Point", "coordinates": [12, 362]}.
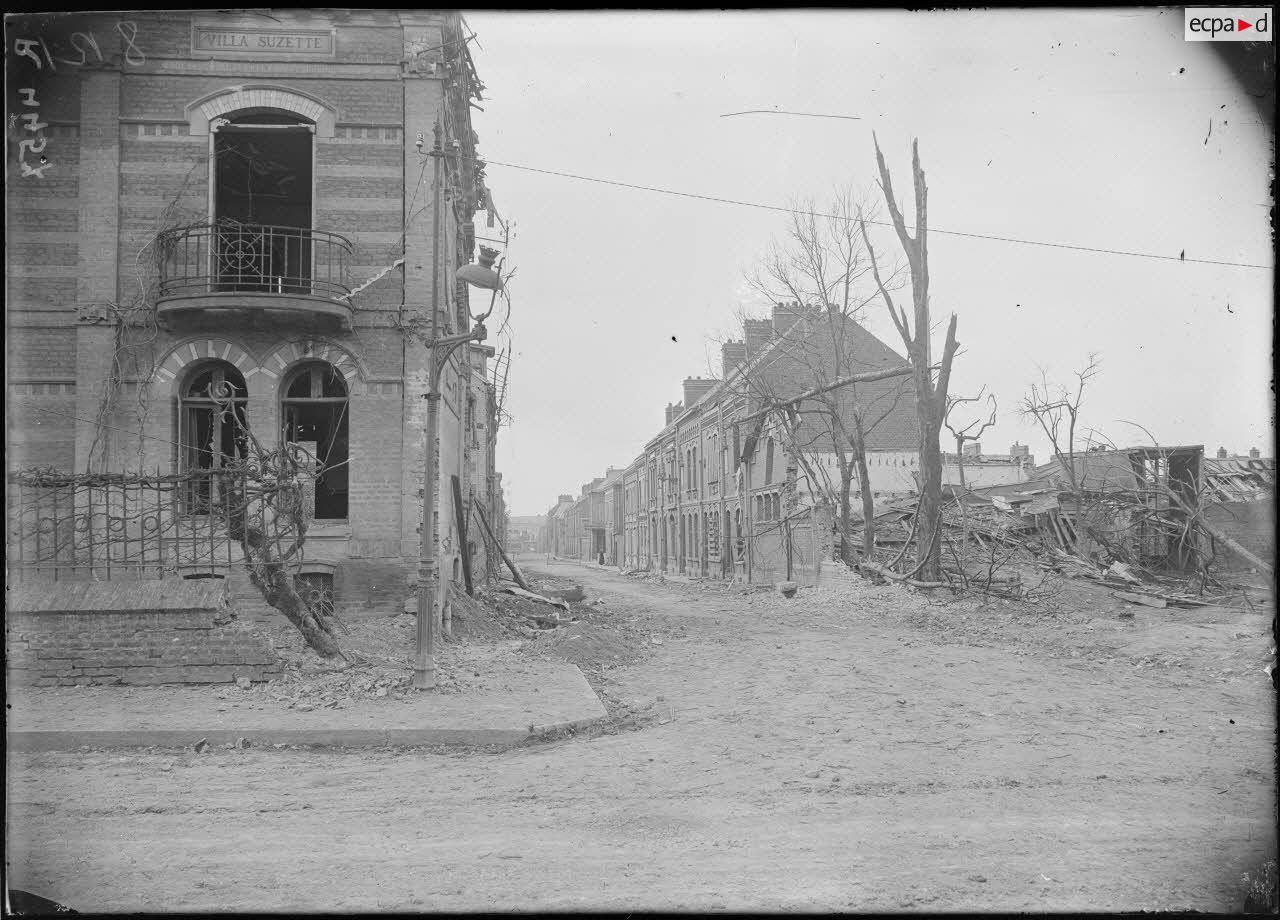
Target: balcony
{"type": "Point", "coordinates": [255, 268]}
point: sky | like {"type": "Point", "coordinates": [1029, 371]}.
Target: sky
{"type": "Point", "coordinates": [1094, 128]}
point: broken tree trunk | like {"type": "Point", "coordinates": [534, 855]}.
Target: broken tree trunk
{"type": "Point", "coordinates": [275, 582]}
{"type": "Point", "coordinates": [533, 596]}
{"type": "Point", "coordinates": [515, 572]}
{"type": "Point", "coordinates": [888, 573]}
{"type": "Point", "coordinates": [1236, 548]}
{"type": "Point", "coordinates": [931, 392]}
{"type": "Point", "coordinates": [864, 377]}
{"type": "Point", "coordinates": [271, 572]}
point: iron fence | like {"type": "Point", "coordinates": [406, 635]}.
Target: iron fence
{"type": "Point", "coordinates": [230, 257]}
{"type": "Point", "coordinates": [113, 526]}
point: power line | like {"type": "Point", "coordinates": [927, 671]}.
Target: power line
{"type": "Point", "coordinates": [780, 112]}
{"type": "Point", "coordinates": [960, 233]}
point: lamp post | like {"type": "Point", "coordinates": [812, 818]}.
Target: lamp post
{"type": "Point", "coordinates": [439, 348]}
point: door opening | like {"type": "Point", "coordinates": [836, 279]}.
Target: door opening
{"type": "Point", "coordinates": [262, 203]}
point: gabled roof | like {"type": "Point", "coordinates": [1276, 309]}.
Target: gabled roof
{"type": "Point", "coordinates": [561, 509]}
{"type": "Point", "coordinates": [888, 405]}
{"type": "Point", "coordinates": [899, 428]}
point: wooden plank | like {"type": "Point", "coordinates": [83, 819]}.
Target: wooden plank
{"type": "Point", "coordinates": [1145, 600]}
{"type": "Point", "coordinates": [498, 546]}
{"type": "Point", "coordinates": [461, 520]}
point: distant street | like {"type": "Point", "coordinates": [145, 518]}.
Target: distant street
{"type": "Point", "coordinates": [789, 757]}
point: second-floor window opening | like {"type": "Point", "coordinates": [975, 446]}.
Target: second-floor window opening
{"type": "Point", "coordinates": [262, 180]}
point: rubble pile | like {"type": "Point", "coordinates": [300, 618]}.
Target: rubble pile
{"type": "Point", "coordinates": [1004, 541]}
{"type": "Point", "coordinates": [1139, 586]}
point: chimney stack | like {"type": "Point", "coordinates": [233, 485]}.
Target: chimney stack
{"type": "Point", "coordinates": [757, 332]}
{"type": "Point", "coordinates": [696, 387]}
{"type": "Point", "coordinates": [732, 354]}
{"type": "Point", "coordinates": [673, 409]}
{"type": "Point", "coordinates": [1253, 453]}
{"type": "Point", "coordinates": [566, 498]}
{"type": "Point", "coordinates": [1222, 453]}
{"type": "Point", "coordinates": [785, 315]}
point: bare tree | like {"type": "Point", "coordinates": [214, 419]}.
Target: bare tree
{"type": "Point", "coordinates": [930, 390]}
{"type": "Point", "coordinates": [1056, 409]}
{"type": "Point", "coordinates": [967, 433]}
{"type": "Point", "coordinates": [820, 272]}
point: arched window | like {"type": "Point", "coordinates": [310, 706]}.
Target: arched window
{"type": "Point", "coordinates": [211, 429]}
{"type": "Point", "coordinates": [314, 413]}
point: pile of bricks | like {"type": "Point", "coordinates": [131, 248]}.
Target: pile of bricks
{"type": "Point", "coordinates": [130, 632]}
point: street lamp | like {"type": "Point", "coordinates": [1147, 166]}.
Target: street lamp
{"type": "Point", "coordinates": [439, 348]}
{"type": "Point", "coordinates": [482, 275]}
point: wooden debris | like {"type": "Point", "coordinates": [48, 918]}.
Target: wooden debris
{"type": "Point", "coordinates": [1120, 570]}
{"type": "Point", "coordinates": [502, 552]}
{"type": "Point", "coordinates": [545, 620]}
{"type": "Point", "coordinates": [530, 596]}
{"type": "Point", "coordinates": [1145, 600]}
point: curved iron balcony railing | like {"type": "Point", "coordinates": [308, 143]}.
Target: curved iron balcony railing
{"type": "Point", "coordinates": [267, 264]}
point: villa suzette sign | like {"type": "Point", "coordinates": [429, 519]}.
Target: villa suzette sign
{"type": "Point", "coordinates": [292, 42]}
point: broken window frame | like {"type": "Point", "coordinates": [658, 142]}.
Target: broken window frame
{"type": "Point", "coordinates": [323, 380]}
{"type": "Point", "coordinates": [224, 417]}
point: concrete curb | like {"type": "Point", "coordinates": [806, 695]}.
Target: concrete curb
{"type": "Point", "coordinates": [41, 741]}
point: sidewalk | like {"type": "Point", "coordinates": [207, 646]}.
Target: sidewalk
{"type": "Point", "coordinates": [522, 700]}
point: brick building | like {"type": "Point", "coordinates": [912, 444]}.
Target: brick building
{"type": "Point", "coordinates": [241, 201]}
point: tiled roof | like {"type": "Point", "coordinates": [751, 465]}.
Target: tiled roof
{"type": "Point", "coordinates": [1241, 478]}
{"type": "Point", "coordinates": [889, 406]}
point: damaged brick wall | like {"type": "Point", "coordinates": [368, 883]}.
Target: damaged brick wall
{"type": "Point", "coordinates": [162, 632]}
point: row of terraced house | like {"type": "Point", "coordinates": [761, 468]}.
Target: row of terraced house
{"type": "Point", "coordinates": [719, 490]}
{"type": "Point", "coordinates": [725, 490]}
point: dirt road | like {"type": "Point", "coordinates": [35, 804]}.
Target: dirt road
{"type": "Point", "coordinates": [877, 757]}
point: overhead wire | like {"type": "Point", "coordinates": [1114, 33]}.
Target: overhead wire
{"type": "Point", "coordinates": [960, 233]}
{"type": "Point", "coordinates": [782, 112]}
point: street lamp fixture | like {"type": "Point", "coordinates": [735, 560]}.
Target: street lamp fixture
{"type": "Point", "coordinates": [482, 274]}
{"type": "Point", "coordinates": [439, 348]}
